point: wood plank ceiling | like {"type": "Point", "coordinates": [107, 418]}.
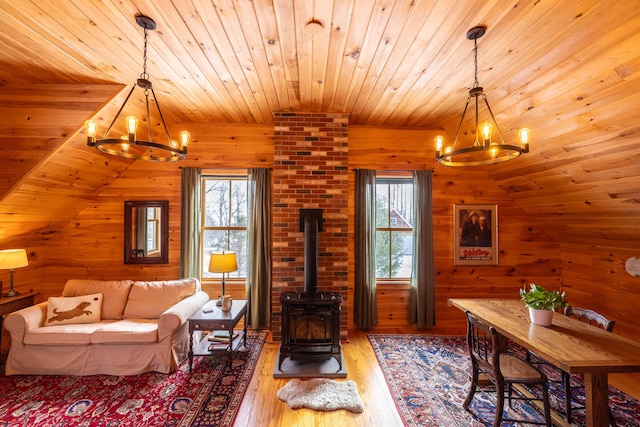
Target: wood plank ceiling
{"type": "Point", "coordinates": [568, 70]}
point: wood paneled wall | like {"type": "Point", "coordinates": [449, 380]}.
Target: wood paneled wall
{"type": "Point", "coordinates": [595, 277]}
{"type": "Point", "coordinates": [91, 245]}
{"type": "Point", "coordinates": [526, 253]}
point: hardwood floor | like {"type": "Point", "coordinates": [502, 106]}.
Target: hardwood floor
{"type": "Point", "coordinates": [629, 383]}
{"type": "Point", "coordinates": [261, 408]}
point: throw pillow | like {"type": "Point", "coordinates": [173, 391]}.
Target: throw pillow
{"type": "Point", "coordinates": [68, 310]}
{"type": "Point", "coordinates": [115, 293]}
{"type": "Point", "coordinates": [148, 300]}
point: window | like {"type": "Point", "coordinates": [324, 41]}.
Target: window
{"type": "Point", "coordinates": [394, 228]}
{"type": "Point", "coordinates": [224, 221]}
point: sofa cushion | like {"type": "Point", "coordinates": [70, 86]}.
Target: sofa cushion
{"type": "Point", "coordinates": [148, 300]}
{"type": "Point", "coordinates": [71, 310]}
{"type": "Point", "coordinates": [127, 331]}
{"type": "Point", "coordinates": [115, 294]}
{"type": "Point", "coordinates": [70, 334]}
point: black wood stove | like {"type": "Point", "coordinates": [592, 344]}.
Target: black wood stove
{"type": "Point", "coordinates": [310, 319]}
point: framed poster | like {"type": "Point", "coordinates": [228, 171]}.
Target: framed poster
{"type": "Point", "coordinates": [475, 231]}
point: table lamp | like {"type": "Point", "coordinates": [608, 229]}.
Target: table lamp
{"type": "Point", "coordinates": [10, 259]}
{"type": "Point", "coordinates": [222, 262]}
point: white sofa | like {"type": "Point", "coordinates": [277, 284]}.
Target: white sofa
{"type": "Point", "coordinates": [142, 327]}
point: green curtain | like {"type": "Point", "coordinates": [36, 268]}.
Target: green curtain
{"type": "Point", "coordinates": [190, 255]}
{"type": "Point", "coordinates": [259, 253]}
{"type": "Point", "coordinates": [365, 309]}
{"type": "Point", "coordinates": [141, 230]}
{"type": "Point", "coordinates": [421, 293]}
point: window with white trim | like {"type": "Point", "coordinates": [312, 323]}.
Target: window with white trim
{"type": "Point", "coordinates": [394, 228]}
{"type": "Point", "coordinates": [224, 221]}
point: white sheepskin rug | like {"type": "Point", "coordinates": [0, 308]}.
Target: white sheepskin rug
{"type": "Point", "coordinates": [321, 394]}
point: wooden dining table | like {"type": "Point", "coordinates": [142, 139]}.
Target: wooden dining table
{"type": "Point", "coordinates": [569, 344]}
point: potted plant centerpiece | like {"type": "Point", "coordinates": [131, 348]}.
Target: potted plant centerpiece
{"type": "Point", "coordinates": [542, 303]}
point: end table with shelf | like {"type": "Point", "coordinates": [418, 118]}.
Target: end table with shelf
{"type": "Point", "coordinates": [217, 320]}
{"type": "Point", "coordinates": [15, 303]}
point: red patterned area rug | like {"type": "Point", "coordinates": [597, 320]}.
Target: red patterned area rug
{"type": "Point", "coordinates": [208, 396]}
{"type": "Point", "coordinates": [428, 377]}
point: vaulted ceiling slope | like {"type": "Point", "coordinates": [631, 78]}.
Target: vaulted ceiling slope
{"type": "Point", "coordinates": [569, 70]}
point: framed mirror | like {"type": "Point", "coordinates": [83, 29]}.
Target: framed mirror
{"type": "Point", "coordinates": [146, 232]}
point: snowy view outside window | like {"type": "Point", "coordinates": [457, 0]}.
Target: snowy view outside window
{"type": "Point", "coordinates": [224, 221]}
{"type": "Point", "coordinates": [394, 228]}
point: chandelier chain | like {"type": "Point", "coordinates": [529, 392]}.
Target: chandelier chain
{"type": "Point", "coordinates": [144, 74]}
{"type": "Point", "coordinates": [475, 62]}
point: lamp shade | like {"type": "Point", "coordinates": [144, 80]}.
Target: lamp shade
{"type": "Point", "coordinates": [13, 258]}
{"type": "Point", "coordinates": [223, 262]}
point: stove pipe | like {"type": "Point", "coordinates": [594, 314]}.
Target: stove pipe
{"type": "Point", "coordinates": [311, 224]}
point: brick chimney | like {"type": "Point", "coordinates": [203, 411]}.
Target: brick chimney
{"type": "Point", "coordinates": [310, 172]}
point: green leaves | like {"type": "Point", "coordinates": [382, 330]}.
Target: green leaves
{"type": "Point", "coordinates": [541, 299]}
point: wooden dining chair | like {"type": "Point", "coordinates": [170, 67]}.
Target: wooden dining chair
{"type": "Point", "coordinates": [595, 319]}
{"type": "Point", "coordinates": [491, 366]}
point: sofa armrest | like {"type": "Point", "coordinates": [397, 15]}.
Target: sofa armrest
{"type": "Point", "coordinates": [21, 321]}
{"type": "Point", "coordinates": [178, 314]}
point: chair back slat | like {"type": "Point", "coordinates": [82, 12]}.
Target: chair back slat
{"type": "Point", "coordinates": [590, 316]}
{"type": "Point", "coordinates": [482, 341]}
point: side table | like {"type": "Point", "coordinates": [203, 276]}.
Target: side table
{"type": "Point", "coordinates": [11, 304]}
{"type": "Point", "coordinates": [214, 321]}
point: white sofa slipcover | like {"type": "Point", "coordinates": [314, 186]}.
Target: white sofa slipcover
{"type": "Point", "coordinates": [143, 327]}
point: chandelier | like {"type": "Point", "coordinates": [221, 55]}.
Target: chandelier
{"type": "Point", "coordinates": [130, 146]}
{"type": "Point", "coordinates": [486, 149]}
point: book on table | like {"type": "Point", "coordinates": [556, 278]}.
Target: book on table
{"type": "Point", "coordinates": [218, 346]}
{"type": "Point", "coordinates": [222, 337]}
